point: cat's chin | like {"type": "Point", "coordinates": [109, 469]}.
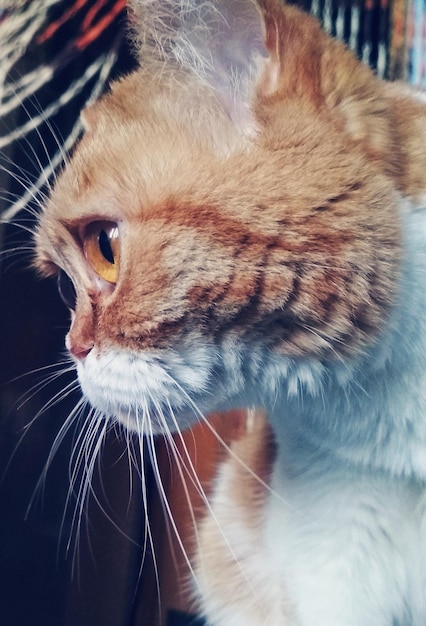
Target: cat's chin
{"type": "Point", "coordinates": [156, 424]}
{"type": "Point", "coordinates": [148, 393]}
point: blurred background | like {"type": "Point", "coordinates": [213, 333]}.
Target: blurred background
{"type": "Point", "coordinates": [57, 55]}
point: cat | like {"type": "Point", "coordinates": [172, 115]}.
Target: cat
{"type": "Point", "coordinates": [243, 225]}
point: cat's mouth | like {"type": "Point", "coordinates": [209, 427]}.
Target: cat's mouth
{"type": "Point", "coordinates": [147, 393]}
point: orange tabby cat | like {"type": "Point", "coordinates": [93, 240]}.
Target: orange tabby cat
{"type": "Point", "coordinates": [244, 225]}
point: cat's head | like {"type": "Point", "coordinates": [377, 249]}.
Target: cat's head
{"type": "Point", "coordinates": [232, 201]}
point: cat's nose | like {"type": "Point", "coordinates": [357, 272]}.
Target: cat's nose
{"type": "Point", "coordinates": [79, 349]}
{"type": "Point", "coordinates": [80, 338]}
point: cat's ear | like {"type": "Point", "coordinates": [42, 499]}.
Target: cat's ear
{"type": "Point", "coordinates": [248, 49]}
{"type": "Point", "coordinates": [223, 42]}
{"type": "Point", "coordinates": [313, 67]}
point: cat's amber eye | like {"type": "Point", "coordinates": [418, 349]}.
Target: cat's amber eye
{"type": "Point", "coordinates": [101, 243]}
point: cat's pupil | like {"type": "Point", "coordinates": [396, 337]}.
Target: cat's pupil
{"type": "Point", "coordinates": [101, 248]}
{"type": "Point", "coordinates": [105, 247]}
{"type": "Point", "coordinates": [66, 290]}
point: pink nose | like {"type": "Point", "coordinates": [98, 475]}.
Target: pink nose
{"type": "Point", "coordinates": [80, 350]}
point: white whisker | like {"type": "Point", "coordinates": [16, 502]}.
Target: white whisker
{"type": "Point", "coordinates": [165, 502]}
{"type": "Point", "coordinates": [220, 439]}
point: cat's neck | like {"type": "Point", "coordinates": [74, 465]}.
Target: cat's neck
{"type": "Point", "coordinates": [369, 410]}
